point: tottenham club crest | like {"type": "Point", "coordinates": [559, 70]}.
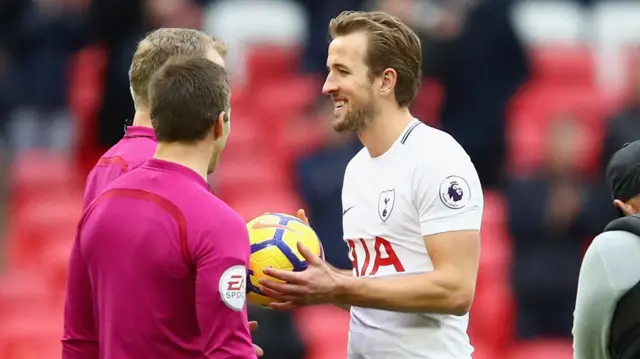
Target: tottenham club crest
{"type": "Point", "coordinates": [385, 204]}
{"type": "Point", "coordinates": [455, 192]}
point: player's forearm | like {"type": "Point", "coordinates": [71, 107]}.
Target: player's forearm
{"type": "Point", "coordinates": [433, 292]}
{"type": "Point", "coordinates": [346, 273]}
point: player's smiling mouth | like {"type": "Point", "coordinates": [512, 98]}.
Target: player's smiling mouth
{"type": "Point", "coordinates": [338, 104]}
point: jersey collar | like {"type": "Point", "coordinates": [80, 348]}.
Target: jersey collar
{"type": "Point", "coordinates": [139, 131]}
{"type": "Point", "coordinates": [174, 167]}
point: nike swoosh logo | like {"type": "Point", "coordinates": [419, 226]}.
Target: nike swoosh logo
{"type": "Point", "coordinates": [347, 210]}
{"type": "Point", "coordinates": [260, 225]}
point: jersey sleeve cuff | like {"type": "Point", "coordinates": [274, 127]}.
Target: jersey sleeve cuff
{"type": "Point", "coordinates": [437, 227]}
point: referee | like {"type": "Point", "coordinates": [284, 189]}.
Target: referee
{"type": "Point", "coordinates": [607, 314]}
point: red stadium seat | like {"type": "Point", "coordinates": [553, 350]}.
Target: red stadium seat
{"type": "Point", "coordinates": [55, 262]}
{"type": "Point", "coordinates": [281, 104]}
{"type": "Point", "coordinates": [263, 123]}
{"type": "Point", "coordinates": [249, 176]}
{"type": "Point", "coordinates": [586, 102]}
{"type": "Point", "coordinates": [40, 222]}
{"type": "Point", "coordinates": [20, 290]}
{"type": "Point", "coordinates": [251, 206]}
{"type": "Point", "coordinates": [495, 258]}
{"type": "Point", "coordinates": [325, 331]}
{"type": "Point", "coordinates": [284, 98]}
{"type": "Point", "coordinates": [36, 172]}
{"type": "Point", "coordinates": [271, 62]}
{"type": "Point", "coordinates": [428, 102]}
{"type": "Point", "coordinates": [542, 349]}
{"type": "Point", "coordinates": [302, 136]}
{"type": "Point", "coordinates": [491, 318]}
{"type": "Point", "coordinates": [85, 90]}
{"type": "Point", "coordinates": [30, 337]}
{"type": "Point", "coordinates": [492, 311]}
{"type": "Point", "coordinates": [483, 350]}
{"type": "Point", "coordinates": [247, 138]}
{"type": "Point", "coordinates": [530, 117]}
{"type": "Point", "coordinates": [495, 208]}
{"type": "Point", "coordinates": [564, 66]}
{"type": "Point", "coordinates": [563, 80]}
{"type": "Point", "coordinates": [632, 70]}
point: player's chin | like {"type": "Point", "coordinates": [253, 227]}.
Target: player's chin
{"type": "Point", "coordinates": [341, 124]}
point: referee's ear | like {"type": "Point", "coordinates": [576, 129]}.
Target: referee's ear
{"type": "Point", "coordinates": [218, 126]}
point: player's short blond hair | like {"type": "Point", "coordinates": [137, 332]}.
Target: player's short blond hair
{"type": "Point", "coordinates": [392, 44]}
{"type": "Point", "coordinates": [161, 45]}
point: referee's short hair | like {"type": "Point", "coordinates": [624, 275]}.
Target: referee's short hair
{"type": "Point", "coordinates": [187, 95]}
{"type": "Point", "coordinates": [158, 47]}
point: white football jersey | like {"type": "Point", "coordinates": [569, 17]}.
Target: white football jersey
{"type": "Point", "coordinates": [424, 184]}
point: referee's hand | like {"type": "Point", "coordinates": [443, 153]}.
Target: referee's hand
{"type": "Point", "coordinates": [253, 325]}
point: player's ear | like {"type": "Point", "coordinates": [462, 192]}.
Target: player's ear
{"type": "Point", "coordinates": [626, 208]}
{"type": "Point", "coordinates": [218, 126]}
{"type": "Point", "coordinates": [389, 78]}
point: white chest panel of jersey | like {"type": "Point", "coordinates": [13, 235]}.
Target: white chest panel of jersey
{"type": "Point", "coordinates": [424, 184]}
{"type": "Point", "coordinates": [381, 225]}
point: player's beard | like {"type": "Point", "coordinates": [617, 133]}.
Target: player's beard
{"type": "Point", "coordinates": [356, 120]}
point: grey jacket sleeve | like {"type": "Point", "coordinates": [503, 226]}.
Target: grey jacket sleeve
{"type": "Point", "coordinates": [595, 304]}
{"type": "Point", "coordinates": [610, 267]}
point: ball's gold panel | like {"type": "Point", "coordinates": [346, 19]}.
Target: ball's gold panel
{"type": "Point", "coordinates": [269, 257]}
{"type": "Point", "coordinates": [264, 228]}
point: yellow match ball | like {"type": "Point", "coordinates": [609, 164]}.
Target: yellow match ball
{"type": "Point", "coordinates": [274, 238]}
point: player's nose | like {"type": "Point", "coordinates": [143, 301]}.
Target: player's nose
{"type": "Point", "coordinates": [329, 86]}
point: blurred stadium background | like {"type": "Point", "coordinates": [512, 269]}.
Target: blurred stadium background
{"type": "Point", "coordinates": [539, 93]}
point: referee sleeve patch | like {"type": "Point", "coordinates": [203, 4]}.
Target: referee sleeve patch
{"type": "Point", "coordinates": [232, 287]}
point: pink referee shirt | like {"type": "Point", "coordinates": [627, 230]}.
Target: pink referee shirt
{"type": "Point", "coordinates": [158, 270]}
{"type": "Point", "coordinates": [137, 145]}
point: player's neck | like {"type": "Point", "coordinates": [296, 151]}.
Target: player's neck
{"type": "Point", "coordinates": [142, 118]}
{"type": "Point", "coordinates": [384, 130]}
{"type": "Point", "coordinates": [192, 156]}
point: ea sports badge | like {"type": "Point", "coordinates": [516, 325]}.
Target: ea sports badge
{"type": "Point", "coordinates": [232, 287]}
{"type": "Point", "coordinates": [455, 192]}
